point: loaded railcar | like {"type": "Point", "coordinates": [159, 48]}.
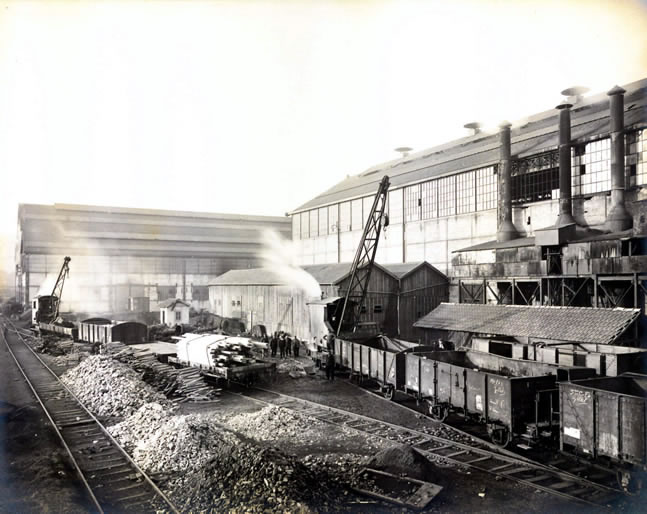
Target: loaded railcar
{"type": "Point", "coordinates": [606, 418]}
{"type": "Point", "coordinates": [102, 331]}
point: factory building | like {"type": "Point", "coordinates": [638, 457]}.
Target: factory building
{"type": "Point", "coordinates": [396, 295]}
{"type": "Point", "coordinates": [547, 211]}
{"type": "Point", "coordinates": [132, 259]}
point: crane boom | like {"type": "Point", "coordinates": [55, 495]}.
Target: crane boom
{"type": "Point", "coordinates": [360, 272]}
{"type": "Point", "coordinates": [57, 291]}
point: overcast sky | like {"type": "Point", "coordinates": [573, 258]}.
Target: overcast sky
{"type": "Point", "coordinates": [256, 107]}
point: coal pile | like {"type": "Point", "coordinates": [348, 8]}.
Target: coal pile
{"type": "Point", "coordinates": [249, 478]}
{"type": "Point", "coordinates": [108, 387]}
{"type": "Point", "coordinates": [147, 420]}
{"type": "Point", "coordinates": [272, 422]}
{"type": "Point", "coordinates": [401, 459]}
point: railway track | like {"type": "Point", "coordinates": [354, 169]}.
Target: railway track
{"type": "Point", "coordinates": [113, 481]}
{"type": "Point", "coordinates": [551, 480]}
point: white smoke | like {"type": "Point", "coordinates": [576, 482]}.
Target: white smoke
{"type": "Point", "coordinates": [47, 286]}
{"type": "Point", "coordinates": [280, 255]}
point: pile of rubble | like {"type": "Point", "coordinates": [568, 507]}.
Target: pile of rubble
{"type": "Point", "coordinates": [272, 422]}
{"type": "Point", "coordinates": [182, 444]}
{"type": "Point", "coordinates": [147, 420]}
{"type": "Point", "coordinates": [249, 478]}
{"type": "Point", "coordinates": [108, 387]}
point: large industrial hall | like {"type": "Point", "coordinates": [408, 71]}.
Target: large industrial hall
{"type": "Point", "coordinates": [228, 283]}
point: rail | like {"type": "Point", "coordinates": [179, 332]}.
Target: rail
{"type": "Point", "coordinates": [114, 482]}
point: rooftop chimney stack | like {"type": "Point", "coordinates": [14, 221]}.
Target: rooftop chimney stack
{"type": "Point", "coordinates": [565, 198]}
{"type": "Point", "coordinates": [404, 150]}
{"type": "Point", "coordinates": [506, 230]}
{"type": "Point", "coordinates": [618, 218]}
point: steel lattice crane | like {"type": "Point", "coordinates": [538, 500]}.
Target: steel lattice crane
{"type": "Point", "coordinates": [47, 306]}
{"type": "Point", "coordinates": [360, 272]}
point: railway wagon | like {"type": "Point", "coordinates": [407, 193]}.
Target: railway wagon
{"type": "Point", "coordinates": [511, 397]}
{"type": "Point", "coordinates": [56, 328]}
{"type": "Point", "coordinates": [606, 418]}
{"type": "Point", "coordinates": [101, 330]}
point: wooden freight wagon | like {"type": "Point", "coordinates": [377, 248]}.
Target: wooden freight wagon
{"type": "Point", "coordinates": [487, 387]}
{"type": "Point", "coordinates": [606, 417]}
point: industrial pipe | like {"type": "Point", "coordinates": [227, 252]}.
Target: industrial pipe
{"type": "Point", "coordinates": [506, 230]}
{"type": "Point", "coordinates": [565, 198]}
{"type": "Point", "coordinates": [618, 218]}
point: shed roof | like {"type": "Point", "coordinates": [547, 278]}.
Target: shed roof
{"type": "Point", "coordinates": [171, 303]}
{"type": "Point", "coordinates": [533, 135]}
{"type": "Point", "coordinates": [404, 269]}
{"type": "Point", "coordinates": [248, 277]}
{"type": "Point", "coordinates": [577, 324]}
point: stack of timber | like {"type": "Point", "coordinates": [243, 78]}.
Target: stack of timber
{"type": "Point", "coordinates": [179, 385]}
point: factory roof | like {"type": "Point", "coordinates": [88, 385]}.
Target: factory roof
{"type": "Point", "coordinates": [248, 277]}
{"type": "Point", "coordinates": [533, 135]}
{"type": "Point", "coordinates": [577, 324]}
{"type": "Point", "coordinates": [63, 229]}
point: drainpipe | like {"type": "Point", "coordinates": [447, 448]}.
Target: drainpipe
{"type": "Point", "coordinates": [565, 199]}
{"type": "Point", "coordinates": [506, 231]}
{"type": "Point", "coordinates": [618, 219]}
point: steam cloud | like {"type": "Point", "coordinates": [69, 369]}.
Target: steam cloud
{"type": "Point", "coordinates": [280, 256]}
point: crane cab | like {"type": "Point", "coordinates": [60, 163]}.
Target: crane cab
{"type": "Point", "coordinates": [43, 308]}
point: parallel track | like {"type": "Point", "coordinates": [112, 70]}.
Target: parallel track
{"type": "Point", "coordinates": [524, 471]}
{"type": "Point", "coordinates": [113, 480]}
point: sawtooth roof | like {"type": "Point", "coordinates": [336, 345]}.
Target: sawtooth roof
{"type": "Point", "coordinates": [577, 324]}
{"type": "Point", "coordinates": [533, 135]}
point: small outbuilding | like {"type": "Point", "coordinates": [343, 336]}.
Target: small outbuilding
{"type": "Point", "coordinates": [174, 312]}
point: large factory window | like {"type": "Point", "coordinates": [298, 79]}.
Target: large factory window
{"type": "Point", "coordinates": [465, 192]}
{"type": "Point", "coordinates": [323, 221]}
{"type": "Point", "coordinates": [344, 217]}
{"type": "Point", "coordinates": [636, 157]}
{"type": "Point", "coordinates": [486, 188]}
{"type": "Point", "coordinates": [296, 226]}
{"type": "Point", "coordinates": [412, 203]}
{"type": "Point", "coordinates": [395, 207]}
{"type": "Point", "coordinates": [305, 225]}
{"type": "Point", "coordinates": [314, 223]}
{"type": "Point", "coordinates": [356, 210]}
{"type": "Point", "coordinates": [429, 199]}
{"type": "Point", "coordinates": [535, 178]}
{"type": "Point", "coordinates": [591, 170]}
{"type": "Point", "coordinates": [200, 293]}
{"type": "Point", "coordinates": [333, 218]}
{"type": "Point", "coordinates": [447, 196]}
{"type": "Point", "coordinates": [166, 292]}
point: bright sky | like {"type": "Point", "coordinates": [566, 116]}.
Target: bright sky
{"type": "Point", "coordinates": [256, 107]}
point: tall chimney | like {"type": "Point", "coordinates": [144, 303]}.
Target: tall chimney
{"type": "Point", "coordinates": [506, 231]}
{"type": "Point", "coordinates": [618, 218]}
{"type": "Point", "coordinates": [565, 199]}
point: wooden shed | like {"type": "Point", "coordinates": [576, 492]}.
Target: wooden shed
{"type": "Point", "coordinates": [422, 288]}
{"type": "Point", "coordinates": [174, 312]}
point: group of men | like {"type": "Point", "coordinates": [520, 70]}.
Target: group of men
{"type": "Point", "coordinates": [287, 346]}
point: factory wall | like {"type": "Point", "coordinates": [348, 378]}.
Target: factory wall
{"type": "Point", "coordinates": [277, 307]}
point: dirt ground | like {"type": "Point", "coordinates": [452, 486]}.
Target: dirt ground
{"type": "Point", "coordinates": [35, 466]}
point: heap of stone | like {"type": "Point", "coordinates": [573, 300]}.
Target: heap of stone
{"type": "Point", "coordinates": [181, 444]}
{"type": "Point", "coordinates": [148, 419]}
{"type": "Point", "coordinates": [272, 422]}
{"type": "Point", "coordinates": [249, 478]}
{"type": "Point", "coordinates": [108, 387]}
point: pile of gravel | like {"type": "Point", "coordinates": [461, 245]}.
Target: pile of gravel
{"type": "Point", "coordinates": [182, 444]}
{"type": "Point", "coordinates": [402, 459]}
{"type": "Point", "coordinates": [272, 422]}
{"type": "Point", "coordinates": [108, 387]}
{"type": "Point", "coordinates": [147, 420]}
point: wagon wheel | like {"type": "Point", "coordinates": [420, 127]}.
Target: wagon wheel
{"type": "Point", "coordinates": [501, 436]}
{"type": "Point", "coordinates": [387, 392]}
{"type": "Point", "coordinates": [438, 412]}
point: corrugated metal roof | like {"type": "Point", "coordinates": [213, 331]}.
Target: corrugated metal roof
{"type": "Point", "coordinates": [535, 134]}
{"type": "Point", "coordinates": [577, 324]}
{"type": "Point", "coordinates": [328, 273]}
{"type": "Point", "coordinates": [171, 303]}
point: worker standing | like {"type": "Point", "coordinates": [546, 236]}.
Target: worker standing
{"type": "Point", "coordinates": [330, 366]}
{"type": "Point", "coordinates": [273, 344]}
{"type": "Point", "coordinates": [281, 346]}
{"type": "Point", "coordinates": [295, 346]}
{"type": "Point", "coordinates": [288, 346]}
